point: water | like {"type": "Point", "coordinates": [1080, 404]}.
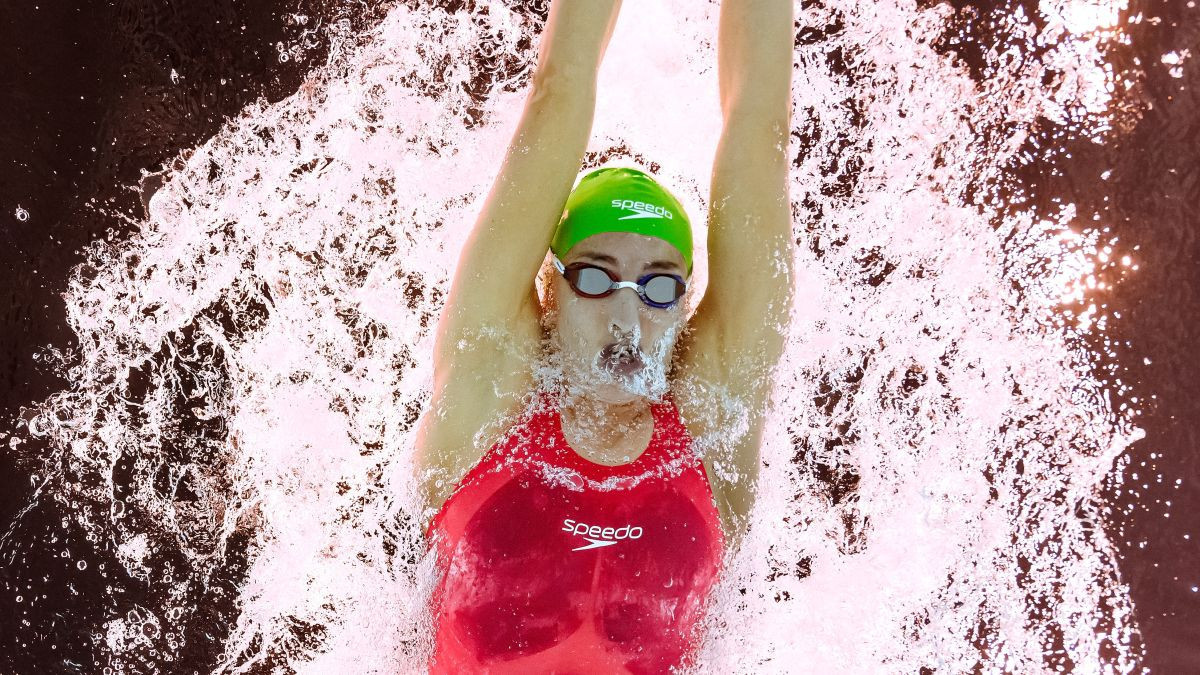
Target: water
{"type": "Point", "coordinates": [230, 453]}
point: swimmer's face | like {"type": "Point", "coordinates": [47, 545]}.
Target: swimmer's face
{"type": "Point", "coordinates": [602, 341]}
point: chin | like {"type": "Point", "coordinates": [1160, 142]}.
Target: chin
{"type": "Point", "coordinates": [650, 383]}
{"type": "Point", "coordinates": [588, 378]}
{"type": "Point", "coordinates": [599, 385]}
{"type": "Point", "coordinates": [611, 393]}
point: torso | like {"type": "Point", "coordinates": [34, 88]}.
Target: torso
{"type": "Point", "coordinates": [544, 571]}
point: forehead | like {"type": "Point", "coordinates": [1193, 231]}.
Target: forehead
{"type": "Point", "coordinates": [628, 250]}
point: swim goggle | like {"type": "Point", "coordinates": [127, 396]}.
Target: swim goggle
{"type": "Point", "coordinates": [659, 289]}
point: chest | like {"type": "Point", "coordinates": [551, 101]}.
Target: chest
{"type": "Point", "coordinates": [570, 557]}
{"type": "Point", "coordinates": [651, 523]}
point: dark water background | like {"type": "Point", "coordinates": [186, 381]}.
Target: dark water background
{"type": "Point", "coordinates": [87, 100]}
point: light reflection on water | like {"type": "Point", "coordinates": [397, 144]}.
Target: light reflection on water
{"type": "Point", "coordinates": [253, 361]}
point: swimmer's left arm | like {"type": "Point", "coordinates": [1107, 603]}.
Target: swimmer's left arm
{"type": "Point", "coordinates": [738, 330]}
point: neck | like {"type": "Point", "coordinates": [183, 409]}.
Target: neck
{"type": "Point", "coordinates": [609, 433]}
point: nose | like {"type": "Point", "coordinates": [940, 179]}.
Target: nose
{"type": "Point", "coordinates": [624, 307]}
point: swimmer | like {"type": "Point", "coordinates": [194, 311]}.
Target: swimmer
{"type": "Point", "coordinates": [579, 528]}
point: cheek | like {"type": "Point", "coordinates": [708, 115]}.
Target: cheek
{"type": "Point", "coordinates": [578, 324]}
{"type": "Point", "coordinates": [663, 332]}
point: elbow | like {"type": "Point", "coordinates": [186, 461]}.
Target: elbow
{"type": "Point", "coordinates": [758, 111]}
{"type": "Point", "coordinates": [559, 84]}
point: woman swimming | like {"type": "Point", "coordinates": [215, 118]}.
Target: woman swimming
{"type": "Point", "coordinates": [579, 529]}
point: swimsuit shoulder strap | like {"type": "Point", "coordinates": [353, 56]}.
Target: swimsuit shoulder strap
{"type": "Point", "coordinates": [674, 433]}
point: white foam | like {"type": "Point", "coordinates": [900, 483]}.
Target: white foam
{"type": "Point", "coordinates": [290, 301]}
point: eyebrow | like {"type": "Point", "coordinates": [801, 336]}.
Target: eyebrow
{"type": "Point", "coordinates": [656, 265]}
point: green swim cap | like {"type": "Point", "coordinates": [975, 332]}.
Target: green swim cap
{"type": "Point", "coordinates": [622, 199]}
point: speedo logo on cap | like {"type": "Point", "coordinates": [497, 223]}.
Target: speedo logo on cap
{"type": "Point", "coordinates": [600, 536]}
{"type": "Point", "coordinates": [641, 209]}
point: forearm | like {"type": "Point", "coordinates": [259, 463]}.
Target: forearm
{"type": "Point", "coordinates": [754, 57]}
{"type": "Point", "coordinates": [573, 43]}
{"type": "Point", "coordinates": [509, 240]}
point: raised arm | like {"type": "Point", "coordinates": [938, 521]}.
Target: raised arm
{"type": "Point", "coordinates": [737, 333]}
{"type": "Point", "coordinates": [489, 332]}
{"type": "Point", "coordinates": [512, 233]}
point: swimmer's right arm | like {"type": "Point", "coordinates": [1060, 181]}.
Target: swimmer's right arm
{"type": "Point", "coordinates": [489, 332]}
{"type": "Point", "coordinates": [511, 235]}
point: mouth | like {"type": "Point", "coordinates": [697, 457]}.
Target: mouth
{"type": "Point", "coordinates": [621, 359]}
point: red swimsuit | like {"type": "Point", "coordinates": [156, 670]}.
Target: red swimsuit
{"type": "Point", "coordinates": [555, 564]}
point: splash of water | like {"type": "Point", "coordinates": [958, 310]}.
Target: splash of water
{"type": "Point", "coordinates": [252, 363]}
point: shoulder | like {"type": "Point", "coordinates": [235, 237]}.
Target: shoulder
{"type": "Point", "coordinates": [724, 422]}
{"type": "Point", "coordinates": [464, 424]}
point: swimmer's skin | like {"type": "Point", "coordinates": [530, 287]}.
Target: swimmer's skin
{"type": "Point", "coordinates": [490, 332]}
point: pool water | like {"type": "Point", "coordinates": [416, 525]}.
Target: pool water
{"type": "Point", "coordinates": [980, 421]}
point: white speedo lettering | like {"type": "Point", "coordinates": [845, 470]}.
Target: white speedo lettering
{"type": "Point", "coordinates": [600, 536]}
{"type": "Point", "coordinates": [644, 209]}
